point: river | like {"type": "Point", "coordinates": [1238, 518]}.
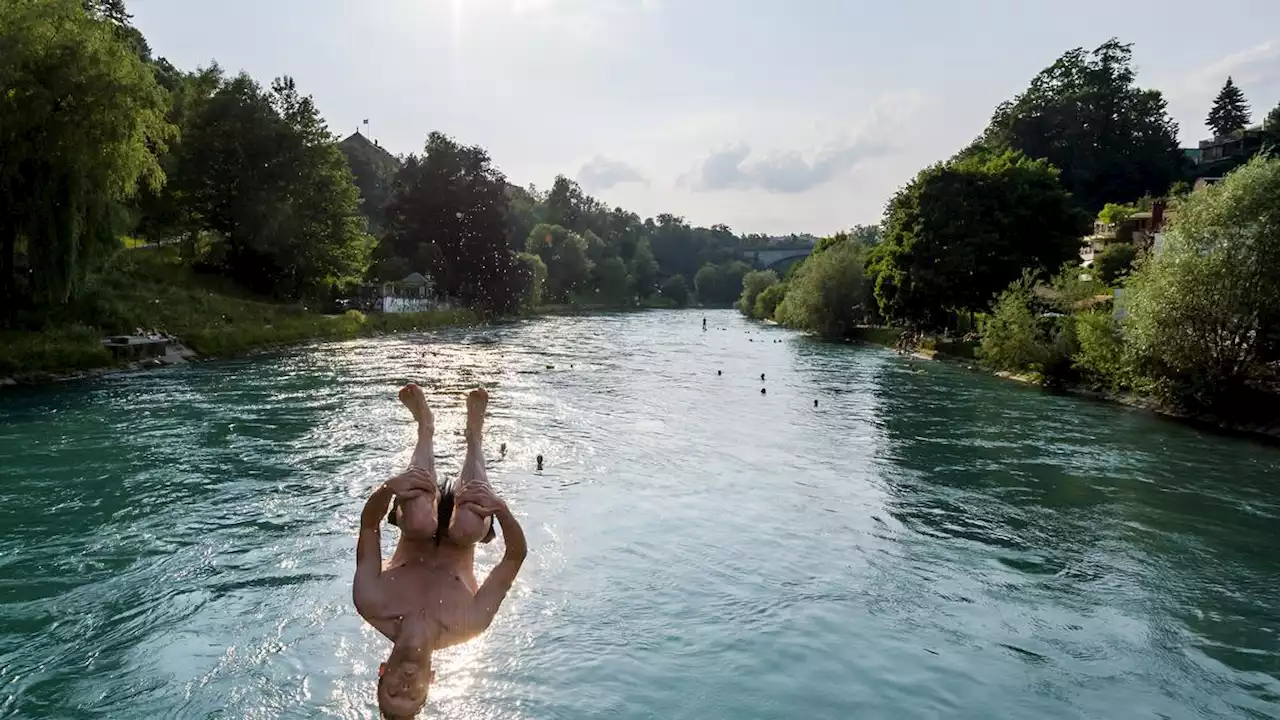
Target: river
{"type": "Point", "coordinates": [927, 542]}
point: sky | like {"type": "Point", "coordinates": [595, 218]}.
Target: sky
{"type": "Point", "coordinates": [768, 116]}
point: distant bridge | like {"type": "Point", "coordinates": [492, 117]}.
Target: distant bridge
{"type": "Point", "coordinates": [779, 259]}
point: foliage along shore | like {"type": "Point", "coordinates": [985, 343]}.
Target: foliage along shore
{"type": "Point", "coordinates": [966, 354]}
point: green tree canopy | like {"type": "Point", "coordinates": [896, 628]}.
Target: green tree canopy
{"type": "Point", "coordinates": [1203, 317]}
{"type": "Point", "coordinates": [676, 289]}
{"type": "Point", "coordinates": [754, 283]}
{"type": "Point", "coordinates": [644, 269]}
{"type": "Point", "coordinates": [565, 255]}
{"type": "Point", "coordinates": [261, 169]}
{"type": "Point", "coordinates": [961, 231]}
{"type": "Point", "coordinates": [767, 302]}
{"type": "Point", "coordinates": [447, 215]}
{"type": "Point", "coordinates": [1114, 213]}
{"type": "Point", "coordinates": [1112, 140]}
{"type": "Point", "coordinates": [372, 168]}
{"type": "Point", "coordinates": [613, 284]}
{"type": "Point", "coordinates": [1114, 262]}
{"type": "Point", "coordinates": [534, 274]}
{"type": "Point", "coordinates": [831, 294]}
{"type": "Point", "coordinates": [82, 121]}
{"type": "Point", "coordinates": [1230, 112]}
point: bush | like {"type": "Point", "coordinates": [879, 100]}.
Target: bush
{"type": "Point", "coordinates": [1203, 317]}
{"type": "Point", "coordinates": [1018, 336]}
{"type": "Point", "coordinates": [1101, 359]}
{"type": "Point", "coordinates": [767, 301]}
{"type": "Point", "coordinates": [754, 283]}
{"type": "Point", "coordinates": [676, 289]}
{"type": "Point", "coordinates": [1010, 334]}
{"type": "Point", "coordinates": [1114, 262]}
{"type": "Point", "coordinates": [831, 294]}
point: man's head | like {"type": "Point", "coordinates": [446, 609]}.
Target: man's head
{"type": "Point", "coordinates": [403, 682]}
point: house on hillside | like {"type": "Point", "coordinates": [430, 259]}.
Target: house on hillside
{"type": "Point", "coordinates": [1238, 146]}
{"type": "Point", "coordinates": [1144, 230]}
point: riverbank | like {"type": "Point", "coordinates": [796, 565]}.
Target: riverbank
{"type": "Point", "coordinates": [932, 348]}
{"type": "Point", "coordinates": [208, 316]}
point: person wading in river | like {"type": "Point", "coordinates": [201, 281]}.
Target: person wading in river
{"type": "Point", "coordinates": [427, 598]}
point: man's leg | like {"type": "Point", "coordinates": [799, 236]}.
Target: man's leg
{"type": "Point", "coordinates": [417, 517]}
{"type": "Point", "coordinates": [467, 526]}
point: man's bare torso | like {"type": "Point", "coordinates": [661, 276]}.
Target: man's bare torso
{"type": "Point", "coordinates": [438, 587]}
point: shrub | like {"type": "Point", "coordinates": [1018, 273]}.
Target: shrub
{"type": "Point", "coordinates": [831, 294]}
{"type": "Point", "coordinates": [754, 283]}
{"type": "Point", "coordinates": [767, 301]}
{"type": "Point", "coordinates": [1203, 317]}
{"type": "Point", "coordinates": [676, 289]}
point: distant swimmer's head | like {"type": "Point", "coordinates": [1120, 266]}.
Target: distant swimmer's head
{"type": "Point", "coordinates": [403, 682]}
{"type": "Point", "coordinates": [539, 462]}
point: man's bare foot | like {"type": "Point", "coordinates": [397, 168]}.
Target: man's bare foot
{"type": "Point", "coordinates": [477, 403]}
{"type": "Point", "coordinates": [416, 400]}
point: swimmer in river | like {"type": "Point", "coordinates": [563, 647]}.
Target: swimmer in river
{"type": "Point", "coordinates": [539, 462]}
{"type": "Point", "coordinates": [719, 372]}
{"type": "Point", "coordinates": [427, 598]}
{"type": "Point", "coordinates": [761, 377]}
{"type": "Point", "coordinates": [502, 450]}
{"type": "Point", "coordinates": [815, 402]}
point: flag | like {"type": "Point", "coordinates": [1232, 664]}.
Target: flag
{"type": "Point", "coordinates": [366, 121]}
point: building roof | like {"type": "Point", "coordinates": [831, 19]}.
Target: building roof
{"type": "Point", "coordinates": [415, 278]}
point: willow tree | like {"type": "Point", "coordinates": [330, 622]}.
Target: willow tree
{"type": "Point", "coordinates": [82, 120]}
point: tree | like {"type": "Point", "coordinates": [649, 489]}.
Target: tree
{"type": "Point", "coordinates": [831, 294]}
{"type": "Point", "coordinates": [868, 235]}
{"type": "Point", "coordinates": [676, 289]}
{"type": "Point", "coordinates": [534, 274]}
{"type": "Point", "coordinates": [754, 283]}
{"type": "Point", "coordinates": [372, 169]}
{"type": "Point", "coordinates": [448, 211]}
{"type": "Point", "coordinates": [1202, 318]}
{"type": "Point", "coordinates": [1114, 262]}
{"type": "Point", "coordinates": [707, 283]}
{"type": "Point", "coordinates": [81, 127]}
{"type": "Point", "coordinates": [644, 269]}
{"type": "Point", "coordinates": [1011, 337]}
{"type": "Point", "coordinates": [565, 255]}
{"type": "Point", "coordinates": [767, 302]}
{"type": "Point", "coordinates": [613, 285]}
{"type": "Point", "coordinates": [1083, 114]}
{"type": "Point", "coordinates": [1230, 112]}
{"type": "Point", "coordinates": [1115, 213]}
{"type": "Point", "coordinates": [1271, 132]}
{"type": "Point", "coordinates": [961, 231]}
{"type": "Point", "coordinates": [261, 169]}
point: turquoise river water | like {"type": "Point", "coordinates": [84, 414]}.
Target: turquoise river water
{"type": "Point", "coordinates": [928, 542]}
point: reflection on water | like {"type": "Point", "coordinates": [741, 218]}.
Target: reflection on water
{"type": "Point", "coordinates": [927, 542]}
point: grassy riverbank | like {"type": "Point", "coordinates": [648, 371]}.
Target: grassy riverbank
{"type": "Point", "coordinates": [150, 289]}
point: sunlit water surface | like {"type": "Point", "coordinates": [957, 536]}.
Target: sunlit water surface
{"type": "Point", "coordinates": [927, 542]}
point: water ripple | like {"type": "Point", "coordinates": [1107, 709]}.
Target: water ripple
{"type": "Point", "coordinates": [927, 542]}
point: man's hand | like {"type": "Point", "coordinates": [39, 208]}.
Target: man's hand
{"type": "Point", "coordinates": [412, 483]}
{"type": "Point", "coordinates": [481, 497]}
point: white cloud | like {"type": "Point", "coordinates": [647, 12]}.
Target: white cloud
{"type": "Point", "coordinates": [601, 173]}
{"type": "Point", "coordinates": [1255, 70]}
{"type": "Point", "coordinates": [1260, 63]}
{"type": "Point", "coordinates": [734, 167]}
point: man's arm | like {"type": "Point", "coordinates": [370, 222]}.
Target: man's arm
{"type": "Point", "coordinates": [494, 590]}
{"type": "Point", "coordinates": [369, 544]}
